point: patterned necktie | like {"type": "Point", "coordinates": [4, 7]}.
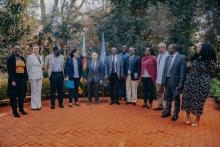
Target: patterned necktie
{"type": "Point", "coordinates": [169, 66]}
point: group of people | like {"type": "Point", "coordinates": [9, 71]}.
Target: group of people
{"type": "Point", "coordinates": [162, 77]}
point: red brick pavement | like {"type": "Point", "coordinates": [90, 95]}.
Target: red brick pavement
{"type": "Point", "coordinates": [104, 125]}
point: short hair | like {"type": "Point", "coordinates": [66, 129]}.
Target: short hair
{"type": "Point", "coordinates": [55, 48]}
{"type": "Point", "coordinates": [132, 47]}
{"type": "Point", "coordinates": [175, 46]}
{"type": "Point", "coordinates": [162, 44]}
{"type": "Point", "coordinates": [16, 44]}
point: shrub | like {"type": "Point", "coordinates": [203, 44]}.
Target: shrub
{"type": "Point", "coordinates": [215, 89]}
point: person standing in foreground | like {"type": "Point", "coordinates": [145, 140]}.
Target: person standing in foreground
{"type": "Point", "coordinates": [122, 83]}
{"type": "Point", "coordinates": [148, 77]}
{"type": "Point", "coordinates": [73, 70]}
{"type": "Point", "coordinates": [160, 68]}
{"type": "Point", "coordinates": [17, 77]}
{"type": "Point", "coordinates": [197, 85]}
{"type": "Point", "coordinates": [54, 64]}
{"type": "Point", "coordinates": [131, 74]}
{"type": "Point", "coordinates": [114, 74]}
{"type": "Point", "coordinates": [93, 77]}
{"type": "Point", "coordinates": [173, 79]}
{"type": "Point", "coordinates": [35, 73]}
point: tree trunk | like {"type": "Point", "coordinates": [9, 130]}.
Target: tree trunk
{"type": "Point", "coordinates": [43, 11]}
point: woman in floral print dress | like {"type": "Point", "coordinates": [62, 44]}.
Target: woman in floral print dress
{"type": "Point", "coordinates": [197, 85]}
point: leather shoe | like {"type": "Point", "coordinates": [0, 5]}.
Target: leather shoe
{"type": "Point", "coordinates": [52, 107]}
{"type": "Point", "coordinates": [127, 103]}
{"type": "Point", "coordinates": [111, 103]}
{"type": "Point", "coordinates": [61, 106]}
{"type": "Point", "coordinates": [16, 114]}
{"type": "Point", "coordinates": [77, 104]}
{"type": "Point", "coordinates": [118, 103]}
{"type": "Point", "coordinates": [134, 104]}
{"type": "Point", "coordinates": [175, 118]}
{"type": "Point", "coordinates": [158, 108]}
{"type": "Point", "coordinates": [23, 112]}
{"type": "Point", "coordinates": [166, 115]}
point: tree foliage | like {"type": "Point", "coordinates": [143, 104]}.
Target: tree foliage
{"type": "Point", "coordinates": [136, 23]}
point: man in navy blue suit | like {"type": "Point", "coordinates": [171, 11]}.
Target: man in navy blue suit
{"type": "Point", "coordinates": [131, 73]}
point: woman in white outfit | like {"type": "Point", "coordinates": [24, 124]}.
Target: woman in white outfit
{"type": "Point", "coordinates": [35, 73]}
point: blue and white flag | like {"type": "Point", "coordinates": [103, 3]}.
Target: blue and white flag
{"type": "Point", "coordinates": [103, 58]}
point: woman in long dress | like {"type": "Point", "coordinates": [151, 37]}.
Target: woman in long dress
{"type": "Point", "coordinates": [197, 85]}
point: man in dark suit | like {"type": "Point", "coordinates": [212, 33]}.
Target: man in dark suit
{"type": "Point", "coordinates": [122, 83]}
{"type": "Point", "coordinates": [93, 77]}
{"type": "Point", "coordinates": [131, 74]}
{"type": "Point", "coordinates": [114, 74]}
{"type": "Point", "coordinates": [173, 80]}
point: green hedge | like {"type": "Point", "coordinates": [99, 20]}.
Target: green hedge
{"type": "Point", "coordinates": [46, 89]}
{"type": "Point", "coordinates": [215, 89]}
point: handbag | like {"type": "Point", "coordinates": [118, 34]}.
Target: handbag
{"type": "Point", "coordinates": [69, 84]}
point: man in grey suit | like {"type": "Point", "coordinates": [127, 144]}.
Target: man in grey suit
{"type": "Point", "coordinates": [173, 80]}
{"type": "Point", "coordinates": [114, 74]}
{"type": "Point", "coordinates": [93, 77]}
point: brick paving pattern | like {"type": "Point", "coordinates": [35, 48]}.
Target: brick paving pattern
{"type": "Point", "coordinates": [103, 125]}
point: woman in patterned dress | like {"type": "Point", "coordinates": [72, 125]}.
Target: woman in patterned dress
{"type": "Point", "coordinates": [197, 85]}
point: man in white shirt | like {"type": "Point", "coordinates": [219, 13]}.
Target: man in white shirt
{"type": "Point", "coordinates": [163, 54]}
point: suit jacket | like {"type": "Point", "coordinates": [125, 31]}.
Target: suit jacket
{"type": "Point", "coordinates": [49, 63]}
{"type": "Point", "coordinates": [178, 71]}
{"type": "Point", "coordinates": [34, 67]}
{"type": "Point", "coordinates": [69, 68]}
{"type": "Point", "coordinates": [119, 66]}
{"type": "Point", "coordinates": [135, 67]}
{"type": "Point", "coordinates": [11, 68]}
{"type": "Point", "coordinates": [93, 74]}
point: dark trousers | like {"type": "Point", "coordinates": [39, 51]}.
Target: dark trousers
{"type": "Point", "coordinates": [122, 89]}
{"type": "Point", "coordinates": [148, 90]}
{"type": "Point", "coordinates": [56, 83]}
{"type": "Point", "coordinates": [93, 87]}
{"type": "Point", "coordinates": [73, 93]}
{"type": "Point", "coordinates": [18, 91]}
{"type": "Point", "coordinates": [171, 93]}
{"type": "Point", "coordinates": [114, 87]}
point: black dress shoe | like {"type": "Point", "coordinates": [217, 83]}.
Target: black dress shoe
{"type": "Point", "coordinates": [111, 103]}
{"type": "Point", "coordinates": [144, 105]}
{"type": "Point", "coordinates": [61, 106]}
{"type": "Point", "coordinates": [158, 108]}
{"type": "Point", "coordinates": [16, 114]}
{"type": "Point", "coordinates": [175, 118]}
{"type": "Point", "coordinates": [118, 103]}
{"type": "Point", "coordinates": [52, 107]}
{"type": "Point", "coordinates": [23, 112]}
{"type": "Point", "coordinates": [166, 115]}
{"type": "Point", "coordinates": [134, 104]}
